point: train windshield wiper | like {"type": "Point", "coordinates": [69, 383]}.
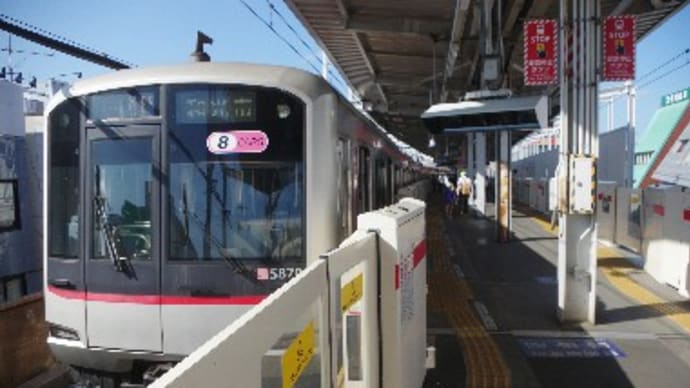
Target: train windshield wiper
{"type": "Point", "coordinates": [112, 242]}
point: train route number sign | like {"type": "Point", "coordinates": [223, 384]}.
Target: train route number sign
{"type": "Point", "coordinates": [232, 142]}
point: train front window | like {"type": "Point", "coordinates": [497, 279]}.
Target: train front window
{"type": "Point", "coordinates": [235, 206]}
{"type": "Point", "coordinates": [122, 174]}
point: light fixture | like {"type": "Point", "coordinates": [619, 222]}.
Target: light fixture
{"type": "Point", "coordinates": [283, 110]}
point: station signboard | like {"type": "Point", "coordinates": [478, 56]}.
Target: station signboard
{"type": "Point", "coordinates": [541, 48]}
{"type": "Point", "coordinates": [619, 48]}
{"type": "Point", "coordinates": [675, 97]}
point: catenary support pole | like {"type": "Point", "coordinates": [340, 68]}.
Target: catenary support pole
{"type": "Point", "coordinates": [579, 140]}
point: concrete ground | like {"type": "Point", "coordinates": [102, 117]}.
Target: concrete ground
{"type": "Point", "coordinates": [506, 296]}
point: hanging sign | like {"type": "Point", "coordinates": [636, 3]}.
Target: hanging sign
{"type": "Point", "coordinates": [619, 48]}
{"type": "Point", "coordinates": [540, 45]}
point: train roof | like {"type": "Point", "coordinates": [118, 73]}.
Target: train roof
{"type": "Point", "coordinates": [295, 81]}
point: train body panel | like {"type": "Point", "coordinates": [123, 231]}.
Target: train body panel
{"type": "Point", "coordinates": [178, 197]}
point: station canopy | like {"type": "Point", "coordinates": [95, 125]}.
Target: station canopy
{"type": "Point", "coordinates": [403, 56]}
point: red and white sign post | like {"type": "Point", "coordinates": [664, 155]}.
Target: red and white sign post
{"type": "Point", "coordinates": [619, 48]}
{"type": "Point", "coordinates": [541, 58]}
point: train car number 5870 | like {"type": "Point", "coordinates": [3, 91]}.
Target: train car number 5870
{"type": "Point", "coordinates": [282, 273]}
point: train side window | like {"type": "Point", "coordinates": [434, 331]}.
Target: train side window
{"type": "Point", "coordinates": [9, 205]}
{"type": "Point", "coordinates": [343, 188]}
{"type": "Point", "coordinates": [363, 180]}
{"type": "Point", "coordinates": [63, 153]}
{"type": "Point", "coordinates": [389, 182]}
{"type": "Point", "coordinates": [380, 183]}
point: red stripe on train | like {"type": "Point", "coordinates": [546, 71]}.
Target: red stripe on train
{"type": "Point", "coordinates": [157, 299]}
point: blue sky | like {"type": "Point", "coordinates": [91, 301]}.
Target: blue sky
{"type": "Point", "coordinates": [161, 32]}
{"type": "Point", "coordinates": [657, 48]}
{"type": "Point", "coordinates": [154, 32]}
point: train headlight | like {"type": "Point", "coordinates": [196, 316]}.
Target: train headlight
{"type": "Point", "coordinates": [58, 331]}
{"type": "Point", "coordinates": [283, 110]}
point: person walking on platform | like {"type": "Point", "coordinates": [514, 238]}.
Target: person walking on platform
{"type": "Point", "coordinates": [464, 190]}
{"type": "Point", "coordinates": [449, 196]}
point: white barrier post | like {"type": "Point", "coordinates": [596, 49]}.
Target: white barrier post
{"type": "Point", "coordinates": [297, 334]}
{"type": "Point", "coordinates": [402, 247]}
{"type": "Point", "coordinates": [682, 228]}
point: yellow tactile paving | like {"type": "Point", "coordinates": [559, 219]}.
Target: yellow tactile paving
{"type": "Point", "coordinates": [484, 364]}
{"type": "Point", "coordinates": [617, 270]}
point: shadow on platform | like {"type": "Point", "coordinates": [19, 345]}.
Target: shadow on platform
{"type": "Point", "coordinates": [516, 282]}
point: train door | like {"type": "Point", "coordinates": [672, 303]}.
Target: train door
{"type": "Point", "coordinates": [122, 274]}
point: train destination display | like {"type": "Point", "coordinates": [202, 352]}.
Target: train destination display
{"type": "Point", "coordinates": [214, 106]}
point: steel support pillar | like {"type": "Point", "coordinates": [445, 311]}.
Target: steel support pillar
{"type": "Point", "coordinates": [480, 173]}
{"type": "Point", "coordinates": [577, 238]}
{"type": "Point", "coordinates": [471, 159]}
{"type": "Point", "coordinates": [630, 145]}
{"type": "Point", "coordinates": [503, 190]}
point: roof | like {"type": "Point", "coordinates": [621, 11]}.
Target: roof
{"type": "Point", "coordinates": [514, 113]}
{"type": "Point", "coordinates": [660, 127]}
{"type": "Point", "coordinates": [675, 166]}
{"type": "Point", "coordinates": [404, 55]}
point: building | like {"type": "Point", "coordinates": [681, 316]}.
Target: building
{"type": "Point", "coordinates": [663, 131]}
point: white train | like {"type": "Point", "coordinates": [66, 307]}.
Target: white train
{"type": "Point", "coordinates": [179, 196]}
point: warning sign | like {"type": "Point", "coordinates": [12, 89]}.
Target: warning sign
{"type": "Point", "coordinates": [351, 293]}
{"type": "Point", "coordinates": [297, 356]}
{"type": "Point", "coordinates": [619, 48]}
{"type": "Point", "coordinates": [540, 45]}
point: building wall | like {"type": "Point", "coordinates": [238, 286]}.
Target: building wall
{"type": "Point", "coordinates": [615, 157]}
{"type": "Point", "coordinates": [20, 252]}
{"type": "Point", "coordinates": [23, 330]}
{"type": "Point", "coordinates": [614, 160]}
{"type": "Point", "coordinates": [542, 165]}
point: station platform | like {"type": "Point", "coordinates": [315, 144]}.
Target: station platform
{"type": "Point", "coordinates": [492, 313]}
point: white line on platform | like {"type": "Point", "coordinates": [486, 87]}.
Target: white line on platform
{"type": "Point", "coordinates": [581, 334]}
{"type": "Point", "coordinates": [484, 316]}
{"type": "Point", "coordinates": [565, 334]}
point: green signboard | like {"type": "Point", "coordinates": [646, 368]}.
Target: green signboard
{"type": "Point", "coordinates": [681, 95]}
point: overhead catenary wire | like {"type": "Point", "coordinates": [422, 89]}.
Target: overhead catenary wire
{"type": "Point", "coordinates": [658, 68]}
{"type": "Point", "coordinates": [9, 19]}
{"type": "Point", "coordinates": [289, 26]}
{"type": "Point", "coordinates": [270, 26]}
{"type": "Point", "coordinates": [664, 64]}
{"type": "Point", "coordinates": [664, 75]}
{"type": "Point", "coordinates": [277, 34]}
{"type": "Point", "coordinates": [308, 46]}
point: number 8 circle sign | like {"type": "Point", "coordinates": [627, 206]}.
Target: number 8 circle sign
{"type": "Point", "coordinates": [253, 141]}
